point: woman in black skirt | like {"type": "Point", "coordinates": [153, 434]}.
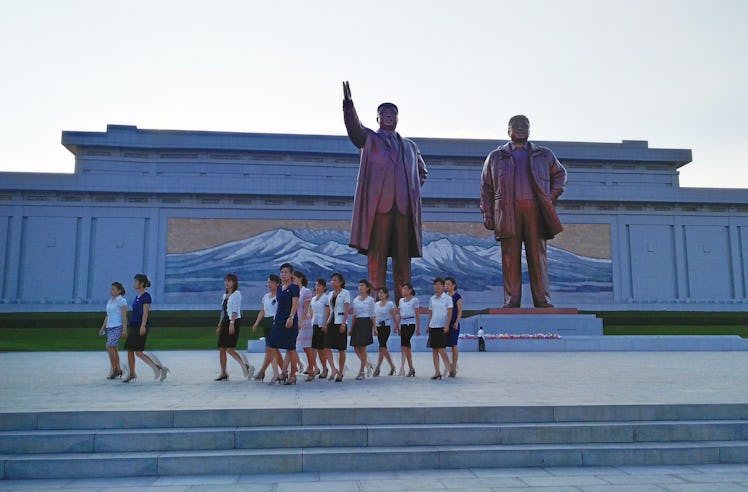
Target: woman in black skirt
{"type": "Point", "coordinates": [440, 312]}
{"type": "Point", "coordinates": [363, 324]}
{"type": "Point", "coordinates": [386, 316]}
{"type": "Point", "coordinates": [228, 328]}
{"type": "Point", "coordinates": [336, 330]}
{"type": "Point", "coordinates": [139, 325]}
{"type": "Point", "coordinates": [408, 324]}
{"type": "Point", "coordinates": [319, 312]}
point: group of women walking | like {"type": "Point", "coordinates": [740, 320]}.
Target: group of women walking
{"type": "Point", "coordinates": [297, 320]}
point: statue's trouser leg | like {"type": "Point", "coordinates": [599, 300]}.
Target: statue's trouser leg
{"type": "Point", "coordinates": [535, 252]}
{"type": "Point", "coordinates": [389, 236]}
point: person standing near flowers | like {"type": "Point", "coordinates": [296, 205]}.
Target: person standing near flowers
{"type": "Point", "coordinates": [453, 335]}
{"type": "Point", "coordinates": [139, 326]}
{"type": "Point", "coordinates": [228, 328]}
{"type": "Point", "coordinates": [114, 321]}
{"type": "Point", "coordinates": [481, 340]}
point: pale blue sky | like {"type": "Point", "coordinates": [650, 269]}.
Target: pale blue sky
{"type": "Point", "coordinates": [671, 72]}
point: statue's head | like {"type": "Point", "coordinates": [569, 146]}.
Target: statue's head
{"type": "Point", "coordinates": [519, 129]}
{"type": "Point", "coordinates": [387, 116]}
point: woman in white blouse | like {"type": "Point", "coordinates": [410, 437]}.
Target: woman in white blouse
{"type": "Point", "coordinates": [319, 311]}
{"type": "Point", "coordinates": [363, 324]}
{"type": "Point", "coordinates": [385, 316]}
{"type": "Point", "coordinates": [228, 328]}
{"type": "Point", "coordinates": [115, 319]}
{"type": "Point", "coordinates": [408, 324]}
{"type": "Point", "coordinates": [336, 328]}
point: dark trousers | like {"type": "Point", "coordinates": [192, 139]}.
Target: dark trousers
{"type": "Point", "coordinates": [527, 231]}
{"type": "Point", "coordinates": [481, 344]}
{"type": "Point", "coordinates": [390, 236]}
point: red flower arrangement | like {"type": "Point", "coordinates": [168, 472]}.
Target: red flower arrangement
{"type": "Point", "coordinates": [511, 336]}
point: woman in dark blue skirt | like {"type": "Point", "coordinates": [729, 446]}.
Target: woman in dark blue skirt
{"type": "Point", "coordinates": [286, 322]}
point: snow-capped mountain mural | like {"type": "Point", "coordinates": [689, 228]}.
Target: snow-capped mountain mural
{"type": "Point", "coordinates": [195, 277]}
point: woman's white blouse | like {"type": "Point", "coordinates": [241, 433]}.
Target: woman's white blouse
{"type": "Point", "coordinates": [384, 313]}
{"type": "Point", "coordinates": [269, 305]}
{"type": "Point", "coordinates": [408, 310]}
{"type": "Point", "coordinates": [319, 305]}
{"type": "Point", "coordinates": [363, 308]}
{"type": "Point", "coordinates": [234, 305]}
{"type": "Point", "coordinates": [339, 308]}
{"type": "Point", "coordinates": [114, 311]}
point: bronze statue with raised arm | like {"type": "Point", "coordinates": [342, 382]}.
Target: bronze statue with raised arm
{"type": "Point", "coordinates": [520, 184]}
{"type": "Point", "coordinates": [387, 203]}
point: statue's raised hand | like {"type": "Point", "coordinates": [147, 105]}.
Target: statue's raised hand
{"type": "Point", "coordinates": [346, 91]}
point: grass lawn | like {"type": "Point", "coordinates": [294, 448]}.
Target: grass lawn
{"type": "Point", "coordinates": [187, 330]}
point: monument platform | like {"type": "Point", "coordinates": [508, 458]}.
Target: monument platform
{"type": "Point", "coordinates": [503, 410]}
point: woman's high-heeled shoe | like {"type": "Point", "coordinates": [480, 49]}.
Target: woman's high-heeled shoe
{"type": "Point", "coordinates": [339, 378]}
{"type": "Point", "coordinates": [360, 376]}
{"type": "Point", "coordinates": [260, 376]}
{"type": "Point", "coordinates": [369, 369]}
{"type": "Point", "coordinates": [376, 372]}
{"type": "Point", "coordinates": [309, 378]}
{"type": "Point", "coordinates": [130, 378]}
{"type": "Point", "coordinates": [333, 375]}
{"type": "Point", "coordinates": [412, 373]}
{"type": "Point", "coordinates": [275, 380]}
{"type": "Point", "coordinates": [165, 370]}
{"type": "Point", "coordinates": [401, 373]}
{"type": "Point", "coordinates": [224, 377]}
{"type": "Point", "coordinates": [436, 376]}
{"type": "Point", "coordinates": [392, 371]}
{"type": "Point", "coordinates": [324, 374]}
{"type": "Point", "coordinates": [290, 381]}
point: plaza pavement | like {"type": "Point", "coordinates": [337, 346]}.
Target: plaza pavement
{"type": "Point", "coordinates": [75, 381]}
{"type": "Point", "coordinates": [49, 381]}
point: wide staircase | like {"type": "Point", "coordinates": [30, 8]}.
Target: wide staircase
{"type": "Point", "coordinates": [188, 442]}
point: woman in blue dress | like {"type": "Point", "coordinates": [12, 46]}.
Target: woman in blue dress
{"type": "Point", "coordinates": [286, 322]}
{"type": "Point", "coordinates": [453, 336]}
{"type": "Point", "coordinates": [139, 326]}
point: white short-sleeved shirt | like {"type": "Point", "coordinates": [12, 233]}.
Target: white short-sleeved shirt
{"type": "Point", "coordinates": [384, 313]}
{"type": "Point", "coordinates": [234, 305]}
{"type": "Point", "coordinates": [439, 306]}
{"type": "Point", "coordinates": [481, 332]}
{"type": "Point", "coordinates": [114, 311]}
{"type": "Point", "coordinates": [339, 308]}
{"type": "Point", "coordinates": [319, 305]}
{"type": "Point", "coordinates": [409, 311]}
{"type": "Point", "coordinates": [269, 305]}
{"type": "Point", "coordinates": [363, 308]}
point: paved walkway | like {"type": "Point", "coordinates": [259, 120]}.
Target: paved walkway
{"type": "Point", "coordinates": [711, 478]}
{"type": "Point", "coordinates": [76, 380]}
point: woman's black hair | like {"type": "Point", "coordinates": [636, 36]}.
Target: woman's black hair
{"type": "Point", "coordinates": [385, 291]}
{"type": "Point", "coordinates": [451, 279]}
{"type": "Point", "coordinates": [287, 266]}
{"type": "Point", "coordinates": [274, 278]}
{"type": "Point", "coordinates": [232, 278]}
{"type": "Point", "coordinates": [438, 280]}
{"type": "Point", "coordinates": [302, 277]}
{"type": "Point", "coordinates": [410, 287]}
{"type": "Point", "coordinates": [367, 284]}
{"type": "Point", "coordinates": [119, 287]}
{"type": "Point", "coordinates": [143, 279]}
{"type": "Point", "coordinates": [322, 282]}
{"type": "Point", "coordinates": [340, 278]}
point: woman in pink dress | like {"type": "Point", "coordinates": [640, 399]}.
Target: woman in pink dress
{"type": "Point", "coordinates": [304, 340]}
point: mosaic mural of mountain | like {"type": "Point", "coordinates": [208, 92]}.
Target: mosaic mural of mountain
{"type": "Point", "coordinates": [474, 261]}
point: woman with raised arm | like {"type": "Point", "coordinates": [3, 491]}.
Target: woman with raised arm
{"type": "Point", "coordinates": [137, 335]}
{"type": "Point", "coordinates": [114, 321]}
{"type": "Point", "coordinates": [319, 311]}
{"type": "Point", "coordinates": [266, 317]}
{"type": "Point", "coordinates": [228, 328]}
{"type": "Point", "coordinates": [363, 324]}
{"type": "Point", "coordinates": [385, 316]}
{"type": "Point", "coordinates": [407, 325]}
{"type": "Point", "coordinates": [453, 335]}
{"type": "Point", "coordinates": [286, 323]}
{"type": "Point", "coordinates": [336, 331]}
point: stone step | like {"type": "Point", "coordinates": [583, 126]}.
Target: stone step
{"type": "Point", "coordinates": [367, 416]}
{"type": "Point", "coordinates": [321, 436]}
{"type": "Point", "coordinates": [295, 460]}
